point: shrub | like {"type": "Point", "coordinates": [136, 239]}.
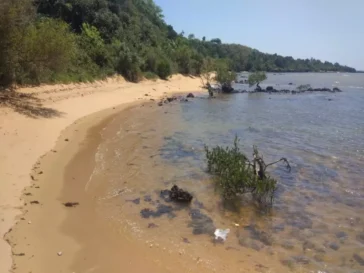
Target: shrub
{"type": "Point", "coordinates": [164, 69]}
{"type": "Point", "coordinates": [224, 77]}
{"type": "Point", "coordinates": [235, 174]}
{"type": "Point", "coordinates": [150, 75]}
{"type": "Point", "coordinates": [256, 78]}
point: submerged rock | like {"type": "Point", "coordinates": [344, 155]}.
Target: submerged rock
{"type": "Point", "coordinates": [334, 246]}
{"type": "Point", "coordinates": [161, 210]}
{"type": "Point", "coordinates": [201, 223]}
{"type": "Point", "coordinates": [358, 259]}
{"type": "Point", "coordinates": [301, 259]}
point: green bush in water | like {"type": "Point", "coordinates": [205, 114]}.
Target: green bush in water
{"type": "Point", "coordinates": [235, 174]}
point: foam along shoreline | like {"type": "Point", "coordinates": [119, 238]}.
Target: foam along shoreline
{"type": "Point", "coordinates": [31, 125]}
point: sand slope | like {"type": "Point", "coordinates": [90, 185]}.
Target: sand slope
{"type": "Point", "coordinates": [31, 124]}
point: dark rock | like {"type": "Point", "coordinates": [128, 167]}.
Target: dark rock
{"type": "Point", "coordinates": [71, 204]}
{"type": "Point", "coordinates": [334, 246]}
{"type": "Point", "coordinates": [269, 88]}
{"type": "Point", "coordinates": [66, 139]}
{"type": "Point", "coordinates": [201, 223]}
{"type": "Point", "coordinates": [152, 225]}
{"type": "Point", "coordinates": [146, 95]}
{"type": "Point", "coordinates": [170, 99]}
{"type": "Point", "coordinates": [190, 95]}
{"type": "Point", "coordinates": [183, 100]}
{"type": "Point", "coordinates": [325, 89]}
{"type": "Point", "coordinates": [34, 202]}
{"type": "Point", "coordinates": [179, 195]}
{"type": "Point", "coordinates": [160, 104]}
{"type": "Point", "coordinates": [358, 259]}
{"type": "Point", "coordinates": [336, 89]}
{"type": "Point", "coordinates": [290, 83]}
{"type": "Point", "coordinates": [226, 88]}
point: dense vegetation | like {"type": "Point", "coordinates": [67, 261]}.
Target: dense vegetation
{"type": "Point", "coordinates": [80, 40]}
{"type": "Point", "coordinates": [235, 174]}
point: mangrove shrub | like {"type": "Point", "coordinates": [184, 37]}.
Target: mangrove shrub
{"type": "Point", "coordinates": [235, 174]}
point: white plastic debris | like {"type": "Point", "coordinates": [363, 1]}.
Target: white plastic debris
{"type": "Point", "coordinates": [221, 234]}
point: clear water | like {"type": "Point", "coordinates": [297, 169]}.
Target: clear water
{"type": "Point", "coordinates": [316, 223]}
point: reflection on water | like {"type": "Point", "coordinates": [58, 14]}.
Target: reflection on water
{"type": "Point", "coordinates": [316, 223]}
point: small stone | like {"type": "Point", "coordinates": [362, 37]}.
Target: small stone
{"type": "Point", "coordinates": [334, 246]}
{"type": "Point", "coordinates": [236, 224]}
{"type": "Point", "coordinates": [29, 222]}
{"type": "Point", "coordinates": [341, 234]}
{"type": "Point", "coordinates": [66, 139]}
{"type": "Point", "coordinates": [151, 245]}
{"type": "Point", "coordinates": [59, 253]}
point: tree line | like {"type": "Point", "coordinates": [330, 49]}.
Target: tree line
{"type": "Point", "coordinates": [82, 40]}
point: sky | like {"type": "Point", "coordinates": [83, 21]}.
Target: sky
{"type": "Point", "coordinates": [329, 30]}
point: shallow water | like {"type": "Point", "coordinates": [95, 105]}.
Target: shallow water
{"type": "Point", "coordinates": [316, 223]}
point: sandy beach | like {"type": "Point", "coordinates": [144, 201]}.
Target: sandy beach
{"type": "Point", "coordinates": [30, 129]}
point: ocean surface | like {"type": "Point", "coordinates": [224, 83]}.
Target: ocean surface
{"type": "Point", "coordinates": [316, 223]}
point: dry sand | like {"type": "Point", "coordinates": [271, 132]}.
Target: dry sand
{"type": "Point", "coordinates": [29, 128]}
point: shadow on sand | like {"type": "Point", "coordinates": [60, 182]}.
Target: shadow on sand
{"type": "Point", "coordinates": [26, 104]}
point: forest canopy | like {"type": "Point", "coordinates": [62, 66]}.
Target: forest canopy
{"type": "Point", "coordinates": [83, 40]}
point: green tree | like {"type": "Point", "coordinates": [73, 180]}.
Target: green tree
{"type": "Point", "coordinates": [224, 76]}
{"type": "Point", "coordinates": [16, 16]}
{"type": "Point", "coordinates": [256, 78]}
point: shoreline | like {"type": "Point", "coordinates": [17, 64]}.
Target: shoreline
{"type": "Point", "coordinates": [26, 138]}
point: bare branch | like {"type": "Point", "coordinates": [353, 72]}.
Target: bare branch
{"type": "Point", "coordinates": [282, 159]}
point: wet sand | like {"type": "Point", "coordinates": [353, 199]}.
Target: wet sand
{"type": "Point", "coordinates": [89, 236]}
{"type": "Point", "coordinates": [29, 128]}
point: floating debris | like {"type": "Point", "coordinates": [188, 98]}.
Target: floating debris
{"type": "Point", "coordinates": [221, 234]}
